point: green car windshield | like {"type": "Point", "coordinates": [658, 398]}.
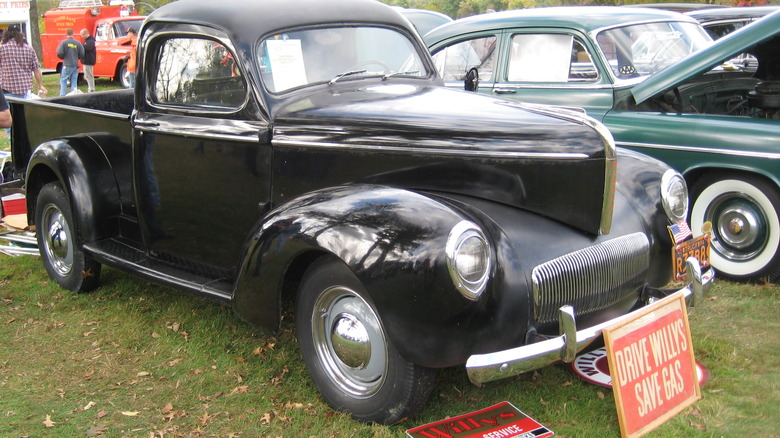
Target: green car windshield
{"type": "Point", "coordinates": [640, 50]}
{"type": "Point", "coordinates": [328, 55]}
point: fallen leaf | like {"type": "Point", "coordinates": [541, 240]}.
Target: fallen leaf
{"type": "Point", "coordinates": [89, 406]}
{"type": "Point", "coordinates": [155, 335]}
{"type": "Point", "coordinates": [174, 362]}
{"type": "Point", "coordinates": [239, 389]}
{"type": "Point", "coordinates": [96, 431]}
{"type": "Point", "coordinates": [267, 417]}
{"type": "Point", "coordinates": [204, 418]}
{"type": "Point", "coordinates": [102, 414]}
{"type": "Point", "coordinates": [48, 423]}
{"type": "Point", "coordinates": [167, 408]}
{"type": "Point", "coordinates": [699, 426]}
{"type": "Point", "coordinates": [600, 395]}
{"type": "Point", "coordinates": [143, 374]}
{"type": "Point", "coordinates": [566, 383]}
{"type": "Point", "coordinates": [130, 413]}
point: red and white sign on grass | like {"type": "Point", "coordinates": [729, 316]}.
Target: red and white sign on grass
{"type": "Point", "coordinates": [652, 366]}
{"type": "Point", "coordinates": [498, 421]}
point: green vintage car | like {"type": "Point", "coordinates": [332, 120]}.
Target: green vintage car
{"type": "Point", "coordinates": [662, 87]}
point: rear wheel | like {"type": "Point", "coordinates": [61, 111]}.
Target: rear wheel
{"type": "Point", "coordinates": [745, 225]}
{"type": "Point", "coordinates": [65, 262]}
{"type": "Point", "coordinates": [347, 352]}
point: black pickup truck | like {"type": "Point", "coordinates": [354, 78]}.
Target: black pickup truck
{"type": "Point", "coordinates": [306, 151]}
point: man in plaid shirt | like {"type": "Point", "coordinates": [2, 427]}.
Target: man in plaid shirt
{"type": "Point", "coordinates": [18, 65]}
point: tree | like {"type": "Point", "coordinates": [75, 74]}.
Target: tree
{"type": "Point", "coordinates": [35, 31]}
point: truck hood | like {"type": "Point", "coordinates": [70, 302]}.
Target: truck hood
{"type": "Point", "coordinates": [553, 161]}
{"type": "Point", "coordinates": [759, 38]}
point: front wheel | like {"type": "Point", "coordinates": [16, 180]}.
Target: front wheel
{"type": "Point", "coordinates": [65, 262]}
{"type": "Point", "coordinates": [122, 75]}
{"type": "Point", "coordinates": [347, 352]}
{"type": "Point", "coordinates": [745, 225]}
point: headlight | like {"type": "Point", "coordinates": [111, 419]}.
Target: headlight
{"type": "Point", "coordinates": [468, 259]}
{"type": "Point", "coordinates": [674, 196]}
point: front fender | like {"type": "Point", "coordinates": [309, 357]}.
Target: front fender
{"type": "Point", "coordinates": [392, 239]}
{"type": "Point", "coordinates": [81, 167]}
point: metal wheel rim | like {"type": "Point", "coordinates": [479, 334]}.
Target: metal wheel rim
{"type": "Point", "coordinates": [57, 242]}
{"type": "Point", "coordinates": [333, 306]}
{"type": "Point", "coordinates": [741, 230]}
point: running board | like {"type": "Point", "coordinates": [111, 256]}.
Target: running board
{"type": "Point", "coordinates": [119, 255]}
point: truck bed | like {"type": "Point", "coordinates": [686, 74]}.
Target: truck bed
{"type": "Point", "coordinates": [100, 114]}
{"type": "Point", "coordinates": [113, 101]}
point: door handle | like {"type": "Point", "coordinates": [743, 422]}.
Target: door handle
{"type": "Point", "coordinates": [505, 90]}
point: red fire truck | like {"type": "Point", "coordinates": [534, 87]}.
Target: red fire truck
{"type": "Point", "coordinates": [108, 22]}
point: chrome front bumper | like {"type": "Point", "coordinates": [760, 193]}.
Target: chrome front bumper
{"type": "Point", "coordinates": [487, 367]}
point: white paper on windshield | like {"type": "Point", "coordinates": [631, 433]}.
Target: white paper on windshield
{"type": "Point", "coordinates": [540, 58]}
{"type": "Point", "coordinates": [287, 67]}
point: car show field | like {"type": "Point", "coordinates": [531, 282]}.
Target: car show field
{"type": "Point", "coordinates": [351, 219]}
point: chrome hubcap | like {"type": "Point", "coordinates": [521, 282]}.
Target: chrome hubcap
{"type": "Point", "coordinates": [349, 341]}
{"type": "Point", "coordinates": [740, 231]}
{"type": "Point", "coordinates": [57, 241]}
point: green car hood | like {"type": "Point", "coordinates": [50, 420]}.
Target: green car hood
{"type": "Point", "coordinates": [704, 60]}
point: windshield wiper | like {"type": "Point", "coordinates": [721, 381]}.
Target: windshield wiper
{"type": "Point", "coordinates": [348, 73]}
{"type": "Point", "coordinates": [399, 73]}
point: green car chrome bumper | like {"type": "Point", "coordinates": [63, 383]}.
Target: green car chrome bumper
{"type": "Point", "coordinates": [501, 364]}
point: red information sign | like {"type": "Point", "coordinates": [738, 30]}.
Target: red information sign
{"type": "Point", "coordinates": [652, 366]}
{"type": "Point", "coordinates": [499, 421]}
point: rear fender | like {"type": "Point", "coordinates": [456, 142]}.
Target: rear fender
{"type": "Point", "coordinates": [80, 165]}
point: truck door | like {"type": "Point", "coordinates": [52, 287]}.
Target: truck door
{"type": "Point", "coordinates": [201, 169]}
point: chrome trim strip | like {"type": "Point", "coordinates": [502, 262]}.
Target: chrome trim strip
{"type": "Point", "coordinates": [590, 85]}
{"type": "Point", "coordinates": [196, 134]}
{"type": "Point", "coordinates": [730, 152]}
{"type": "Point", "coordinates": [429, 151]}
{"type": "Point", "coordinates": [487, 367]}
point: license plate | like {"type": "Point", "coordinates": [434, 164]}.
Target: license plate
{"type": "Point", "coordinates": [698, 247]}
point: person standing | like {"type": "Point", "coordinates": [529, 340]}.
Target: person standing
{"type": "Point", "coordinates": [18, 65]}
{"type": "Point", "coordinates": [133, 35]}
{"type": "Point", "coordinates": [5, 119]}
{"type": "Point", "coordinates": [70, 52]}
{"type": "Point", "coordinates": [90, 58]}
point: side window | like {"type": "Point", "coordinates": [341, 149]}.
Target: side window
{"type": "Point", "coordinates": [456, 60]}
{"type": "Point", "coordinates": [102, 32]}
{"type": "Point", "coordinates": [549, 58]}
{"type": "Point", "coordinates": [198, 72]}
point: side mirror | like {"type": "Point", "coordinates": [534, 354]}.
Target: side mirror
{"type": "Point", "coordinates": [471, 81]}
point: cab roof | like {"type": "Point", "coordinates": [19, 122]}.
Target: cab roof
{"type": "Point", "coordinates": [250, 19]}
{"type": "Point", "coordinates": [585, 19]}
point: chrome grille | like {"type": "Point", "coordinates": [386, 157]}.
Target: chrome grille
{"type": "Point", "coordinates": [592, 278]}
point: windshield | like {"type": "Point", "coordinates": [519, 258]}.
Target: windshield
{"type": "Point", "coordinates": [105, 31]}
{"type": "Point", "coordinates": [643, 49]}
{"type": "Point", "coordinates": [299, 58]}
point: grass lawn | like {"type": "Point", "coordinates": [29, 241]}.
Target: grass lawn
{"type": "Point", "coordinates": [136, 359]}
